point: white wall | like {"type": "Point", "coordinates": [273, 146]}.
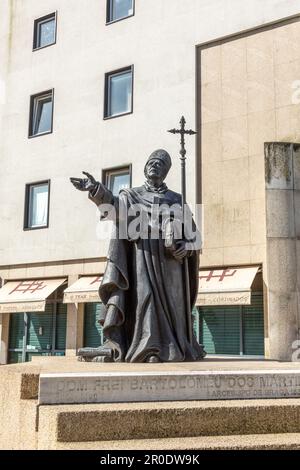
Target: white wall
{"type": "Point", "coordinates": [160, 41]}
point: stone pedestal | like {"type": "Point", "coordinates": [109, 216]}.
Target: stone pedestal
{"type": "Point", "coordinates": [282, 164]}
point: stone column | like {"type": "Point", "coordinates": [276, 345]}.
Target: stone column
{"type": "Point", "coordinates": [80, 325]}
{"type": "Point", "coordinates": [72, 322]}
{"type": "Point", "coordinates": [4, 337]}
{"type": "Point", "coordinates": [282, 165]}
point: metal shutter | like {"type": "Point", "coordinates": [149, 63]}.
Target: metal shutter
{"type": "Point", "coordinates": [61, 327]}
{"type": "Point", "coordinates": [14, 357]}
{"type": "Point", "coordinates": [253, 326]}
{"type": "Point", "coordinates": [43, 321]}
{"type": "Point", "coordinates": [196, 323]}
{"type": "Point", "coordinates": [16, 331]}
{"type": "Point", "coordinates": [93, 334]}
{"type": "Point", "coordinates": [220, 329]}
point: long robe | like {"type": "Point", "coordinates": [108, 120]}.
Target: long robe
{"type": "Point", "coordinates": [143, 290]}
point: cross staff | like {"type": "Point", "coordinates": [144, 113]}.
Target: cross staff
{"type": "Point", "coordinates": [183, 132]}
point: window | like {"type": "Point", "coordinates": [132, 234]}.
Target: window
{"type": "Point", "coordinates": [116, 179]}
{"type": "Point", "coordinates": [41, 113]}
{"type": "Point", "coordinates": [118, 92]}
{"type": "Point", "coordinates": [119, 9]}
{"type": "Point", "coordinates": [38, 334]}
{"type": "Point", "coordinates": [44, 31]}
{"type": "Point", "coordinates": [37, 205]}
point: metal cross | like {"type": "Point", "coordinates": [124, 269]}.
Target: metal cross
{"type": "Point", "coordinates": [182, 131]}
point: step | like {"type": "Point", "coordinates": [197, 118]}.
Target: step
{"type": "Point", "coordinates": [113, 422]}
{"type": "Point", "coordinates": [235, 442]}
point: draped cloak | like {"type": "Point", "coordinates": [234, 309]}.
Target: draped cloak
{"type": "Point", "coordinates": [143, 289]}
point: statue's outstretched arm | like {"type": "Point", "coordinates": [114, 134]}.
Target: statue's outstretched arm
{"type": "Point", "coordinates": [98, 192]}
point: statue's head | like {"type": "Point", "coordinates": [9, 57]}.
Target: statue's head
{"type": "Point", "coordinates": [157, 166]}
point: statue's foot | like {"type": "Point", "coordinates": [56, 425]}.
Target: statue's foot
{"type": "Point", "coordinates": [84, 359]}
{"type": "Point", "coordinates": [102, 359]}
{"type": "Point", "coordinates": [90, 353]}
{"type": "Point", "coordinates": [153, 359]}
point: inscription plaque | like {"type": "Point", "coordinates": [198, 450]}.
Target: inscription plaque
{"type": "Point", "coordinates": [167, 386]}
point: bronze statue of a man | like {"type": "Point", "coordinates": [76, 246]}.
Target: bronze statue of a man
{"type": "Point", "coordinates": [143, 286]}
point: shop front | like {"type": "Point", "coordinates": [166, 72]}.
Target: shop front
{"type": "Point", "coordinates": [228, 317]}
{"type": "Point", "coordinates": [37, 334]}
{"type": "Point", "coordinates": [229, 313]}
{"type": "Point", "coordinates": [86, 291]}
{"type": "Point", "coordinates": [37, 318]}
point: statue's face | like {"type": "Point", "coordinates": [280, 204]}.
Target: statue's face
{"type": "Point", "coordinates": [156, 170]}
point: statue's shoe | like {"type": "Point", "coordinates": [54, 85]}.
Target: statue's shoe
{"type": "Point", "coordinates": [153, 359]}
{"type": "Point", "coordinates": [94, 352]}
{"type": "Point", "coordinates": [102, 359]}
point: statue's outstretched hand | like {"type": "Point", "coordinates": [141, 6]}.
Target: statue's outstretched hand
{"type": "Point", "coordinates": [84, 184]}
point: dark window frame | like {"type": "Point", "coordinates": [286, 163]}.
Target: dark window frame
{"type": "Point", "coordinates": [36, 24]}
{"type": "Point", "coordinates": [106, 172]}
{"type": "Point", "coordinates": [108, 13]}
{"type": "Point", "coordinates": [26, 226]}
{"type": "Point", "coordinates": [31, 110]}
{"type": "Point", "coordinates": [129, 68]}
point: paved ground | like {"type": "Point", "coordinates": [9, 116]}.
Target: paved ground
{"type": "Point", "coordinates": [70, 364]}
